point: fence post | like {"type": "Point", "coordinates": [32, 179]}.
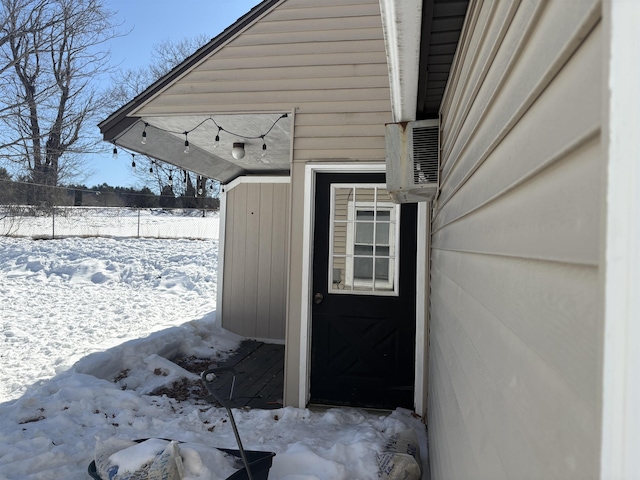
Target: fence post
{"type": "Point", "coordinates": [53, 222]}
{"type": "Point", "coordinates": [138, 222]}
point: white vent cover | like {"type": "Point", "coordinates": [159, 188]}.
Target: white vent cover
{"type": "Point", "coordinates": [412, 160]}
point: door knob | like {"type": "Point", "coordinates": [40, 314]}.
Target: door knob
{"type": "Point", "coordinates": [318, 298]}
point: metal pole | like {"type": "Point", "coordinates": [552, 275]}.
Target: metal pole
{"type": "Point", "coordinates": [207, 377]}
{"type": "Point", "coordinates": [138, 222]}
{"type": "Point", "coordinates": [247, 467]}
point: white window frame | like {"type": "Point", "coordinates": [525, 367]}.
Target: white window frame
{"type": "Point", "coordinates": [350, 243]}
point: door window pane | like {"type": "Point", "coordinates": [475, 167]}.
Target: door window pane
{"type": "Point", "coordinates": [382, 269]}
{"type": "Point", "coordinates": [386, 265]}
{"type": "Point", "coordinates": [364, 232]}
{"type": "Point", "coordinates": [364, 229]}
{"type": "Point", "coordinates": [363, 268]}
{"type": "Point", "coordinates": [338, 274]}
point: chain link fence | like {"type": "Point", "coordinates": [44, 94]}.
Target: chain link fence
{"type": "Point", "coordinates": [57, 222]}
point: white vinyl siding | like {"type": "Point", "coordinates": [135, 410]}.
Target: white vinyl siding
{"type": "Point", "coordinates": [516, 295]}
{"type": "Point", "coordinates": [255, 260]}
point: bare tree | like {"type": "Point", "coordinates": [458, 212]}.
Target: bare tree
{"type": "Point", "coordinates": [167, 54]}
{"type": "Point", "coordinates": [18, 19]}
{"type": "Point", "coordinates": [131, 82]}
{"type": "Point", "coordinates": [48, 91]}
{"type": "Point", "coordinates": [172, 181]}
{"type": "Point", "coordinates": [127, 83]}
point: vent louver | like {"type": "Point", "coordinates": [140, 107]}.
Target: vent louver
{"type": "Point", "coordinates": [412, 160]}
{"type": "Point", "coordinates": [425, 155]}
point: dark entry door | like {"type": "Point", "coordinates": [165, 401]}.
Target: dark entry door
{"type": "Point", "coordinates": [364, 270]}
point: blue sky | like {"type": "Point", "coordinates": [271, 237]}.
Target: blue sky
{"type": "Point", "coordinates": [151, 22]}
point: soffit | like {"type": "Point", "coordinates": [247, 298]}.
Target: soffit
{"type": "Point", "coordinates": [165, 141]}
{"type": "Point", "coordinates": [442, 22]}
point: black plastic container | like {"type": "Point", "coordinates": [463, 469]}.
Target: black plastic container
{"type": "Point", "coordinates": [259, 463]}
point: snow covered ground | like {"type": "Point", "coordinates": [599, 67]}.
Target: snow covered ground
{"type": "Point", "coordinates": [82, 318]}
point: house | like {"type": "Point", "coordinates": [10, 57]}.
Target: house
{"type": "Point", "coordinates": [505, 309]}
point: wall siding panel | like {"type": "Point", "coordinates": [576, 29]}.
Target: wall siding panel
{"type": "Point", "coordinates": [549, 217]}
{"type": "Point", "coordinates": [278, 281]}
{"type": "Point", "coordinates": [265, 221]}
{"type": "Point", "coordinates": [252, 38]}
{"type": "Point", "coordinates": [482, 454]}
{"type": "Point", "coordinates": [516, 294]}
{"type": "Point", "coordinates": [254, 295]}
{"type": "Point", "coordinates": [562, 119]}
{"type": "Point", "coordinates": [516, 77]}
{"type": "Point", "coordinates": [512, 368]}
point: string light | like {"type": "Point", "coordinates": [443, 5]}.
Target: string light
{"type": "Point", "coordinates": [201, 180]}
{"type": "Point", "coordinates": [264, 147]}
{"type": "Point", "coordinates": [217, 142]}
{"type": "Point", "coordinates": [238, 150]}
{"type": "Point", "coordinates": [186, 143]}
{"type": "Point", "coordinates": [202, 188]}
{"type": "Point", "coordinates": [217, 137]}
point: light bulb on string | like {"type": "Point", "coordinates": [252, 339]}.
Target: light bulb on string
{"type": "Point", "coordinates": [186, 143]}
{"type": "Point", "coordinates": [264, 147]}
{"type": "Point", "coordinates": [114, 154]}
{"type": "Point", "coordinates": [238, 150]}
{"type": "Point", "coordinates": [133, 161]}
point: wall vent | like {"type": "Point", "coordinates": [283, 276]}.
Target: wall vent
{"type": "Point", "coordinates": [413, 166]}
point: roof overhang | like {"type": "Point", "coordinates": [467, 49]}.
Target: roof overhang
{"type": "Point", "coordinates": [401, 22]}
{"type": "Point", "coordinates": [421, 38]}
{"type": "Point", "coordinates": [165, 141]}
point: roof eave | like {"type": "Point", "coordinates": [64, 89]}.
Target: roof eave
{"type": "Point", "coordinates": [401, 21]}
